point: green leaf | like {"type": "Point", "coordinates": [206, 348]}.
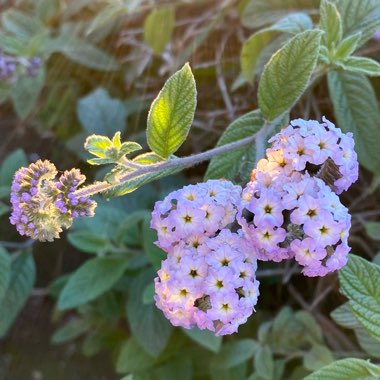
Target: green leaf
{"type": "Point", "coordinates": [347, 369]}
{"type": "Point", "coordinates": [361, 65]}
{"type": "Point", "coordinates": [367, 342]}
{"type": "Point", "coordinates": [205, 338]}
{"type": "Point", "coordinates": [72, 330]}
{"type": "Point", "coordinates": [3, 207]}
{"type": "Point", "coordinates": [14, 161]}
{"type": "Point", "coordinates": [171, 114]}
{"type": "Point", "coordinates": [148, 325]}
{"type": "Point", "coordinates": [92, 279]}
{"type": "Point", "coordinates": [147, 297]}
{"type": "Point", "coordinates": [343, 316]}
{"type": "Point", "coordinates": [264, 363]}
{"type": "Point", "coordinates": [149, 236]}
{"type": "Point", "coordinates": [101, 114]}
{"type": "Point", "coordinates": [158, 28]}
{"type": "Point", "coordinates": [5, 271]}
{"type": "Point", "coordinates": [25, 92]}
{"type": "Point", "coordinates": [88, 55]}
{"type": "Point", "coordinates": [331, 24]}
{"type": "Point", "coordinates": [359, 16]}
{"type": "Point", "coordinates": [317, 357]}
{"type": "Point", "coordinates": [234, 353]}
{"type": "Point", "coordinates": [133, 358]}
{"type": "Point", "coordinates": [258, 13]}
{"type": "Point", "coordinates": [357, 111]}
{"type": "Point", "coordinates": [360, 283]}
{"type": "Point", "coordinates": [20, 285]}
{"type": "Point", "coordinates": [253, 46]}
{"type": "Point", "coordinates": [347, 46]}
{"type": "Point", "coordinates": [89, 242]}
{"type": "Point", "coordinates": [227, 165]}
{"type": "Point", "coordinates": [287, 74]}
{"type": "Point", "coordinates": [373, 230]}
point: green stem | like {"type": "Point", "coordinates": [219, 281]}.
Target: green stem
{"type": "Point", "coordinates": [176, 163]}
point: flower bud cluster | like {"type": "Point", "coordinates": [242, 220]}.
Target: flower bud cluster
{"type": "Point", "coordinates": [290, 209]}
{"type": "Point", "coordinates": [43, 205]}
{"type": "Point", "coordinates": [208, 279]}
{"type": "Point", "coordinates": [11, 67]}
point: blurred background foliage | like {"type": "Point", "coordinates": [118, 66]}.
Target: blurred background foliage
{"type": "Point", "coordinates": [84, 304]}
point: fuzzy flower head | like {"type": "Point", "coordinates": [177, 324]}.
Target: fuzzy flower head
{"type": "Point", "coordinates": [43, 205]}
{"type": "Point", "coordinates": [216, 291]}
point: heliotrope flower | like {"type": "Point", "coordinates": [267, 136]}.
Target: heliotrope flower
{"type": "Point", "coordinates": [43, 205]}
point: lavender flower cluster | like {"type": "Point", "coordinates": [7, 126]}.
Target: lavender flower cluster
{"type": "Point", "coordinates": [208, 279]}
{"type": "Point", "coordinates": [291, 208]}
{"type": "Point", "coordinates": [11, 67]}
{"type": "Point", "coordinates": [213, 232]}
{"type": "Point", "coordinates": [43, 205]}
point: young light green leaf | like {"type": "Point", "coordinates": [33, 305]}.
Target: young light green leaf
{"type": "Point", "coordinates": [92, 279]}
{"type": "Point", "coordinates": [172, 112]}
{"type": "Point", "coordinates": [359, 16]}
{"type": "Point", "coordinates": [347, 369]}
{"type": "Point", "coordinates": [133, 358]}
{"type": "Point", "coordinates": [88, 55]}
{"type": "Point", "coordinates": [373, 230]}
{"type": "Point", "coordinates": [287, 74]}
{"type": "Point", "coordinates": [331, 24]}
{"type": "Point", "coordinates": [253, 46]}
{"type": "Point", "coordinates": [204, 338]}
{"type": "Point", "coordinates": [347, 46]}
{"type": "Point", "coordinates": [71, 330]}
{"type": "Point", "coordinates": [234, 353]}
{"type": "Point", "coordinates": [5, 271]}
{"type": "Point", "coordinates": [158, 28]}
{"type": "Point", "coordinates": [228, 164]}
{"type": "Point", "coordinates": [357, 111]}
{"type": "Point", "coordinates": [101, 114]}
{"type": "Point", "coordinates": [23, 273]}
{"type": "Point", "coordinates": [361, 65]}
{"type": "Point", "coordinates": [360, 282]}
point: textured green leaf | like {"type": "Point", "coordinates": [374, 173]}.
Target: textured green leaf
{"type": "Point", "coordinates": [357, 111]}
{"type": "Point", "coordinates": [347, 369]}
{"type": "Point", "coordinates": [5, 271]}
{"type": "Point", "coordinates": [347, 46]}
{"type": "Point", "coordinates": [234, 353]}
{"type": "Point", "coordinates": [10, 165]}
{"type": "Point", "coordinates": [88, 241]}
{"type": "Point", "coordinates": [343, 316]}
{"type": "Point", "coordinates": [158, 28]}
{"type": "Point", "coordinates": [373, 230]}
{"type": "Point", "coordinates": [88, 55]}
{"type": "Point", "coordinates": [253, 46]}
{"type": "Point", "coordinates": [317, 357]}
{"type": "Point", "coordinates": [20, 285]}
{"type": "Point", "coordinates": [287, 74]}
{"type": "Point", "coordinates": [172, 112]}
{"type": "Point", "coordinates": [258, 13]}
{"type": "Point", "coordinates": [149, 237]}
{"type": "Point", "coordinates": [25, 92]}
{"type": "Point", "coordinates": [205, 338]}
{"type": "Point", "coordinates": [148, 325]}
{"type": "Point", "coordinates": [361, 65]}
{"type": "Point", "coordinates": [133, 358]}
{"type": "Point", "coordinates": [359, 16]}
{"type": "Point", "coordinates": [101, 114]}
{"type": "Point", "coordinates": [360, 283]}
{"type": "Point", "coordinates": [264, 363]}
{"type": "Point", "coordinates": [227, 165]}
{"type": "Point", "coordinates": [331, 24]}
{"type": "Point", "coordinates": [368, 343]}
{"type": "Point", "coordinates": [71, 330]}
{"type": "Point", "coordinates": [92, 279]}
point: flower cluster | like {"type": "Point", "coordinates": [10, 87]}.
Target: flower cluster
{"type": "Point", "coordinates": [11, 67]}
{"type": "Point", "coordinates": [208, 279]}
{"type": "Point", "coordinates": [291, 208]}
{"type": "Point", "coordinates": [42, 205]}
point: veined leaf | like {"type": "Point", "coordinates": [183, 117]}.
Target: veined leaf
{"type": "Point", "coordinates": [287, 74]}
{"type": "Point", "coordinates": [93, 278]}
{"type": "Point", "coordinates": [204, 338]}
{"type": "Point", "coordinates": [357, 111]}
{"type": "Point", "coordinates": [347, 46]}
{"type": "Point", "coordinates": [347, 369]}
{"type": "Point", "coordinates": [158, 28]}
{"type": "Point", "coordinates": [171, 114]}
{"type": "Point", "coordinates": [71, 330]}
{"type": "Point", "coordinates": [20, 285]}
{"type": "Point", "coordinates": [331, 23]}
{"type": "Point", "coordinates": [360, 282]}
{"type": "Point", "coordinates": [361, 65]}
